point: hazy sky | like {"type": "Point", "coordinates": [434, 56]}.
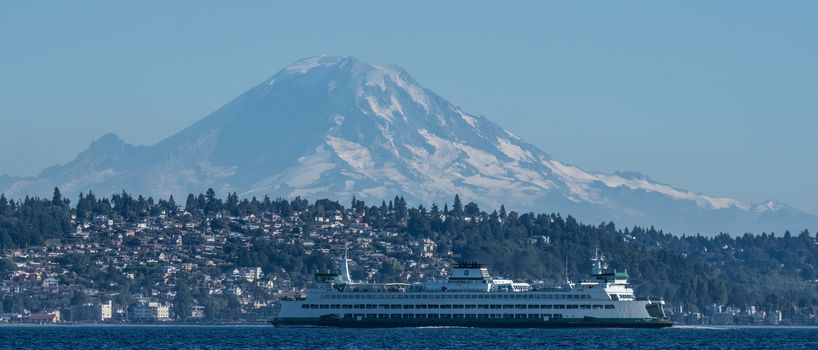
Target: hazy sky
{"type": "Point", "coordinates": [717, 97]}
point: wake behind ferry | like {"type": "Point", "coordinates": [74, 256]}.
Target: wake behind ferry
{"type": "Point", "coordinates": [471, 297]}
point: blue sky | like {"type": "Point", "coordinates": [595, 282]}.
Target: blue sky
{"type": "Point", "coordinates": [715, 97]}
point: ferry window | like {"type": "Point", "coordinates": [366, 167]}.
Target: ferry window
{"type": "Point", "coordinates": [420, 306]}
{"type": "Point", "coordinates": [471, 306]}
{"type": "Point", "coordinates": [313, 306]}
{"type": "Point", "coordinates": [508, 306]}
{"type": "Point", "coordinates": [533, 306]}
{"type": "Point", "coordinates": [459, 306]}
{"type": "Point", "coordinates": [305, 306]}
{"type": "Point", "coordinates": [482, 316]}
{"type": "Point", "coordinates": [360, 306]}
{"type": "Point", "coordinates": [609, 307]}
{"type": "Point", "coordinates": [585, 306]}
{"type": "Point", "coordinates": [570, 296]}
{"type": "Point", "coordinates": [545, 306]}
{"type": "Point", "coordinates": [432, 316]}
{"type": "Point", "coordinates": [434, 306]}
{"type": "Point", "coordinates": [335, 306]}
{"type": "Point", "coordinates": [323, 306]}
{"type": "Point", "coordinates": [597, 306]}
{"type": "Point", "coordinates": [520, 306]}
{"type": "Point", "coordinates": [508, 315]}
{"type": "Point", "coordinates": [408, 306]}
{"type": "Point", "coordinates": [371, 306]}
{"type": "Point", "coordinates": [445, 306]}
{"type": "Point", "coordinates": [396, 306]}
{"type": "Point", "coordinates": [496, 306]}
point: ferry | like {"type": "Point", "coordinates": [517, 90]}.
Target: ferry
{"type": "Point", "coordinates": [471, 297]}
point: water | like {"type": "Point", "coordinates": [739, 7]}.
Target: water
{"type": "Point", "coordinates": [248, 337]}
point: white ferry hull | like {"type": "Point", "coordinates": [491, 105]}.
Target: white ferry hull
{"type": "Point", "coordinates": [475, 323]}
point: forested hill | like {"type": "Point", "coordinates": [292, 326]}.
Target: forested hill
{"type": "Point", "coordinates": [768, 269]}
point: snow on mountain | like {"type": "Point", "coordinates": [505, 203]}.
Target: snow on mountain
{"type": "Point", "coordinates": [334, 126]}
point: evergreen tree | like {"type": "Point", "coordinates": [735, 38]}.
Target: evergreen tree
{"type": "Point", "coordinates": [434, 211]}
{"type": "Point", "coordinates": [171, 205]}
{"type": "Point", "coordinates": [232, 204]}
{"type": "Point", "coordinates": [457, 207]}
{"type": "Point", "coordinates": [191, 204]}
{"type": "Point", "coordinates": [56, 199]}
{"type": "Point", "coordinates": [183, 301]}
{"type": "Point", "coordinates": [212, 204]}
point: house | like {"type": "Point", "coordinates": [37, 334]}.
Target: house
{"type": "Point", "coordinates": [52, 317]}
{"type": "Point", "coordinates": [151, 311]}
{"type": "Point", "coordinates": [92, 312]}
{"type": "Point", "coordinates": [50, 282]}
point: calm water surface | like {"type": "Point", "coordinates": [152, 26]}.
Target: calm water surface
{"type": "Point", "coordinates": [249, 337]}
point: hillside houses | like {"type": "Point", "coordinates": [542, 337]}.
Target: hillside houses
{"type": "Point", "coordinates": [138, 264]}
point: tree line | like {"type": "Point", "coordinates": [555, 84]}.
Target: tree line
{"type": "Point", "coordinates": [766, 269]}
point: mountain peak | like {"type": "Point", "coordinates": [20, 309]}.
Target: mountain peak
{"type": "Point", "coordinates": [304, 65]}
{"type": "Point", "coordinates": [107, 140]}
{"type": "Point", "coordinates": [372, 73]}
{"type": "Point", "coordinates": [337, 127]}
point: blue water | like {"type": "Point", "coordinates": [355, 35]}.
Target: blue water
{"type": "Point", "coordinates": [248, 337]}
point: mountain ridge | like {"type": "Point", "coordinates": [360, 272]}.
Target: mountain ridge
{"type": "Point", "coordinates": [335, 126]}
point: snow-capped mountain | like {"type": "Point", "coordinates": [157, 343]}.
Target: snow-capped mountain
{"type": "Point", "coordinates": [334, 127]}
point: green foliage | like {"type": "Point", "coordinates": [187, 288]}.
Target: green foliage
{"type": "Point", "coordinates": [760, 269]}
{"type": "Point", "coordinates": [32, 221]}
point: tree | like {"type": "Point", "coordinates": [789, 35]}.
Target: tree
{"type": "Point", "coordinates": [57, 198]}
{"type": "Point", "coordinates": [171, 205]}
{"type": "Point", "coordinates": [232, 204]}
{"type": "Point", "coordinates": [191, 204]}
{"type": "Point", "coordinates": [457, 206]}
{"type": "Point", "coordinates": [183, 301]}
{"type": "Point", "coordinates": [212, 204]}
{"type": "Point", "coordinates": [472, 209]}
